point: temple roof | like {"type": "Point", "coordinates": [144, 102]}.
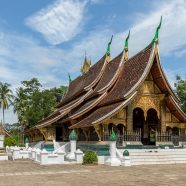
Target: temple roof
{"type": "Point", "coordinates": [175, 109]}
{"type": "Point", "coordinates": [108, 86]}
{"type": "Point", "coordinates": [110, 71]}
{"type": "Point", "coordinates": [102, 113]}
{"type": "Point", "coordinates": [109, 76]}
{"type": "Point", "coordinates": [88, 105]}
{"type": "Point", "coordinates": [97, 114]}
{"type": "Point", "coordinates": [161, 80]}
{"type": "Point", "coordinates": [85, 82]}
{"type": "Point", "coordinates": [131, 73]}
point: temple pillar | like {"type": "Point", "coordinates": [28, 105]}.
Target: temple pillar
{"type": "Point", "coordinates": [182, 131]}
{"type": "Point", "coordinates": [130, 118]}
{"type": "Point", "coordinates": [85, 133]}
{"type": "Point", "coordinates": [145, 130]}
{"type": "Point", "coordinates": [98, 131]}
{"type": "Point", "coordinates": [163, 117]}
{"type": "Point", "coordinates": [105, 132]}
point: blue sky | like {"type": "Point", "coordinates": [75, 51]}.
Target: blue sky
{"type": "Point", "coordinates": [48, 38]}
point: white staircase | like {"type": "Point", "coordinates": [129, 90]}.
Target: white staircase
{"type": "Point", "coordinates": [64, 147]}
{"type": "Point", "coordinates": [157, 156]}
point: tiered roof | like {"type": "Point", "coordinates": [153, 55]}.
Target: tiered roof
{"type": "Point", "coordinates": [110, 86]}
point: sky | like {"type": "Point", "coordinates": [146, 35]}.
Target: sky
{"type": "Point", "coordinates": [47, 39]}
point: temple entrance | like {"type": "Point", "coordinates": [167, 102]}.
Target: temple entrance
{"type": "Point", "coordinates": [146, 128]}
{"type": "Point", "coordinates": [138, 122]}
{"type": "Point", "coordinates": [59, 134]}
{"type": "Point", "coordinates": [152, 126]}
{"type": "Point", "coordinates": [112, 127]}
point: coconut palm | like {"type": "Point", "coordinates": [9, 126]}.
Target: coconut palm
{"type": "Point", "coordinates": [6, 97]}
{"type": "Point", "coordinates": [20, 106]}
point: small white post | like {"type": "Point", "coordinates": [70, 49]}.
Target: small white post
{"type": "Point", "coordinates": [44, 157]}
{"type": "Point", "coordinates": [73, 138]}
{"type": "Point", "coordinates": [79, 156]}
{"type": "Point", "coordinates": [113, 160]}
{"type": "Point", "coordinates": [26, 142]}
{"type": "Point", "coordinates": [15, 153]}
{"type": "Point", "coordinates": [2, 141]}
{"type": "Point", "coordinates": [126, 160]}
{"type": "Point", "coordinates": [61, 155]}
{"type": "Point", "coordinates": [33, 153]}
{"type": "Point", "coordinates": [38, 155]}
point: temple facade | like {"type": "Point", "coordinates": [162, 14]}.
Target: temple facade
{"type": "Point", "coordinates": [3, 134]}
{"type": "Point", "coordinates": [130, 96]}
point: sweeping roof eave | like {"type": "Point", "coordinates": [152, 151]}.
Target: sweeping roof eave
{"type": "Point", "coordinates": [175, 109]}
{"type": "Point", "coordinates": [103, 113]}
{"type": "Point", "coordinates": [85, 82]}
{"type": "Point", "coordinates": [164, 79]}
{"type": "Point", "coordinates": [133, 73]}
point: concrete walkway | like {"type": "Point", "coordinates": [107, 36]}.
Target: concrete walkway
{"type": "Point", "coordinates": [27, 173]}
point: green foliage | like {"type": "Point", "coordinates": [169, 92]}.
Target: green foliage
{"type": "Point", "coordinates": [181, 92]}
{"type": "Point", "coordinates": [33, 104]}
{"type": "Point", "coordinates": [10, 141]}
{"type": "Point", "coordinates": [90, 157]}
{"type": "Point", "coordinates": [6, 97]}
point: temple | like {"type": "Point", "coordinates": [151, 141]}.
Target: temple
{"type": "Point", "coordinates": [130, 96]}
{"type": "Point", "coordinates": [3, 134]}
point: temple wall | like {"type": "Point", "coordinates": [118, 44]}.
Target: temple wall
{"type": "Point", "coordinates": [149, 96]}
{"type": "Point", "coordinates": [119, 118]}
{"type": "Point", "coordinates": [48, 133]}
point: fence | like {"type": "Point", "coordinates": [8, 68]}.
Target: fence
{"type": "Point", "coordinates": [163, 137]}
{"type": "Point", "coordinates": [136, 136]}
{"type": "Point", "coordinates": [132, 136]}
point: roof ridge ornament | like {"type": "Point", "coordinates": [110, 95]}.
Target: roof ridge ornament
{"type": "Point", "coordinates": [126, 54]}
{"type": "Point", "coordinates": [108, 49]}
{"type": "Point", "coordinates": [69, 78]}
{"type": "Point", "coordinates": [156, 39]}
{"type": "Point", "coordinates": [86, 65]}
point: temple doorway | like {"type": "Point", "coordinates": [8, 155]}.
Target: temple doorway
{"type": "Point", "coordinates": [112, 127]}
{"type": "Point", "coordinates": [59, 133]}
{"type": "Point", "coordinates": [138, 122]}
{"type": "Point", "coordinates": [152, 126]}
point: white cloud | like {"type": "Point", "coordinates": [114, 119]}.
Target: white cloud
{"type": "Point", "coordinates": [171, 75]}
{"type": "Point", "coordinates": [60, 21]}
{"type": "Point", "coordinates": [97, 1]}
{"type": "Point", "coordinates": [10, 117]}
{"type": "Point", "coordinates": [172, 34]}
{"type": "Point", "coordinates": [23, 57]}
{"type": "Point", "coordinates": [181, 53]}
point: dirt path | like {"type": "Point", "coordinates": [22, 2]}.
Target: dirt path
{"type": "Point", "coordinates": [27, 173]}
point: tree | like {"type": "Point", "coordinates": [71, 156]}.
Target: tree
{"type": "Point", "coordinates": [181, 92]}
{"type": "Point", "coordinates": [6, 97]}
{"type": "Point", "coordinates": [20, 106]}
{"type": "Point", "coordinates": [24, 100]}
{"type": "Point", "coordinates": [33, 104]}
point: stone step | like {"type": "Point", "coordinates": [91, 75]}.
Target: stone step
{"type": "Point", "coordinates": [159, 155]}
{"type": "Point", "coordinates": [2, 151]}
{"type": "Point", "coordinates": [158, 159]}
{"type": "Point", "coordinates": [155, 163]}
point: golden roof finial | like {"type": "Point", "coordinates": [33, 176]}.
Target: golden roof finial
{"type": "Point", "coordinates": [86, 65]}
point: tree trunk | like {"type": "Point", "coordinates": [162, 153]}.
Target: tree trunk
{"type": "Point", "coordinates": [3, 116]}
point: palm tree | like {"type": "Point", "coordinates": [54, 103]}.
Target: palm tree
{"type": "Point", "coordinates": [20, 106]}
{"type": "Point", "coordinates": [6, 97]}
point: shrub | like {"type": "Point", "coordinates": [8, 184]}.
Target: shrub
{"type": "Point", "coordinates": [9, 141]}
{"type": "Point", "coordinates": [90, 157]}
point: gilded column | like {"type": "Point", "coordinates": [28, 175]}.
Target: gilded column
{"type": "Point", "coordinates": [163, 117]}
{"type": "Point", "coordinates": [130, 118]}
